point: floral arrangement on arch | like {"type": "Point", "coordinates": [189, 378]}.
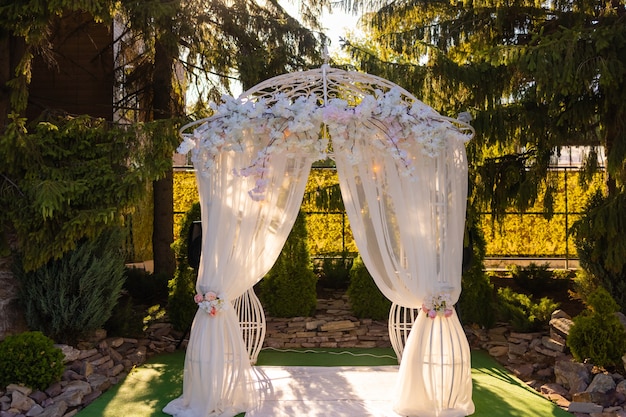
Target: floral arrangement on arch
{"type": "Point", "coordinates": [210, 302]}
{"type": "Point", "coordinates": [289, 125]}
{"type": "Point", "coordinates": [438, 305]}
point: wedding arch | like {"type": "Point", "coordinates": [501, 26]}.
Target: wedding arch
{"type": "Point", "coordinates": [403, 176]}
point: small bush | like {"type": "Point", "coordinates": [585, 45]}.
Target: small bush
{"type": "Point", "coordinates": [72, 296]}
{"type": "Point", "coordinates": [180, 306]}
{"type": "Point", "coordinates": [584, 284]}
{"type": "Point", "coordinates": [30, 359]}
{"type": "Point", "coordinates": [477, 302]}
{"type": "Point", "coordinates": [366, 299]}
{"type": "Point", "coordinates": [524, 313]}
{"type": "Point", "coordinates": [597, 334]}
{"type": "Point", "coordinates": [335, 271]}
{"type": "Point", "coordinates": [126, 320]}
{"type": "Point", "coordinates": [600, 242]}
{"type": "Point", "coordinates": [537, 278]}
{"type": "Point", "coordinates": [288, 289]}
{"type": "Point", "coordinates": [144, 287]}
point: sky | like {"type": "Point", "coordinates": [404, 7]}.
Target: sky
{"type": "Point", "coordinates": [336, 24]}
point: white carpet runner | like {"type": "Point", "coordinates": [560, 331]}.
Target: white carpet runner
{"type": "Point", "coordinates": [296, 391]}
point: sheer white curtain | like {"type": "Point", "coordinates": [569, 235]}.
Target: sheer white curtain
{"type": "Point", "coordinates": [409, 232]}
{"type": "Point", "coordinates": [241, 239]}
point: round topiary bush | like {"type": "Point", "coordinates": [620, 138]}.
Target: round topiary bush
{"type": "Point", "coordinates": [597, 334]}
{"type": "Point", "coordinates": [30, 359]}
{"type": "Point", "coordinates": [366, 299]}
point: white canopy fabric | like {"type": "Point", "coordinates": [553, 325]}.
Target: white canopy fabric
{"type": "Point", "coordinates": [403, 177]}
{"type": "Point", "coordinates": [241, 240]}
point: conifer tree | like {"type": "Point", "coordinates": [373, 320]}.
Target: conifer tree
{"type": "Point", "coordinates": [289, 288]}
{"type": "Point", "coordinates": [175, 44]}
{"type": "Point", "coordinates": [534, 76]}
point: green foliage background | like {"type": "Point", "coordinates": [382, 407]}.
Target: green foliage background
{"type": "Point", "coordinates": [535, 234]}
{"type": "Point", "coordinates": [69, 178]}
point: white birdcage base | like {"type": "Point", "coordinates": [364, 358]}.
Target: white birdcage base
{"type": "Point", "coordinates": [401, 320]}
{"type": "Point", "coordinates": [251, 322]}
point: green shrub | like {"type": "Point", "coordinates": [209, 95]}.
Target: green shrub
{"type": "Point", "coordinates": [144, 287]}
{"type": "Point", "coordinates": [68, 298]}
{"type": "Point", "coordinates": [532, 278]}
{"type": "Point", "coordinates": [181, 308]}
{"type": "Point", "coordinates": [335, 271]}
{"type": "Point", "coordinates": [141, 290]}
{"type": "Point", "coordinates": [583, 285]}
{"type": "Point", "coordinates": [524, 313]}
{"type": "Point", "coordinates": [289, 288]}
{"type": "Point", "coordinates": [476, 304]}
{"type": "Point", "coordinates": [30, 359]}
{"type": "Point", "coordinates": [126, 319]}
{"type": "Point", "coordinates": [597, 334]}
{"type": "Point", "coordinates": [601, 243]}
{"type": "Point", "coordinates": [366, 299]}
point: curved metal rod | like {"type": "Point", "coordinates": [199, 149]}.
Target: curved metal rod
{"type": "Point", "coordinates": [335, 76]}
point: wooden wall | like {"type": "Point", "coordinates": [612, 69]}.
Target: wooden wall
{"type": "Point", "coordinates": [81, 79]}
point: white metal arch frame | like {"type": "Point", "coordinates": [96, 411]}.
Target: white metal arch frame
{"type": "Point", "coordinates": [326, 83]}
{"type": "Point", "coordinates": [393, 216]}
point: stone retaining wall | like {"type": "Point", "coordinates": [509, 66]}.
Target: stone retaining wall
{"type": "Point", "coordinates": [333, 326]}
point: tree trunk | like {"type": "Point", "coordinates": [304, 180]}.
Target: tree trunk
{"type": "Point", "coordinates": [163, 225]}
{"type": "Point", "coordinates": [163, 189]}
{"type": "Point", "coordinates": [11, 313]}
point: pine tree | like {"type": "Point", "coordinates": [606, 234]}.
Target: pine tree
{"type": "Point", "coordinates": [534, 76]}
{"type": "Point", "coordinates": [174, 44]}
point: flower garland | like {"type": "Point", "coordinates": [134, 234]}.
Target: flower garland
{"type": "Point", "coordinates": [438, 305]}
{"type": "Point", "coordinates": [210, 302]}
{"type": "Point", "coordinates": [291, 126]}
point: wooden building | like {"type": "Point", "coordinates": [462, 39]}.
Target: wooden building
{"type": "Point", "coordinates": [79, 77]}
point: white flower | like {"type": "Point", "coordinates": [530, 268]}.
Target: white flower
{"type": "Point", "coordinates": [438, 305]}
{"type": "Point", "coordinates": [186, 145]}
{"type": "Point", "coordinates": [292, 126]}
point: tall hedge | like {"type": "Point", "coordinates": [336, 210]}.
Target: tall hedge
{"type": "Point", "coordinates": [289, 288]}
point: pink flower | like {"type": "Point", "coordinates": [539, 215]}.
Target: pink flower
{"type": "Point", "coordinates": [432, 314]}
{"type": "Point", "coordinates": [447, 313]}
{"type": "Point", "coordinates": [210, 296]}
{"type": "Point", "coordinates": [213, 311]}
{"type": "Point", "coordinates": [198, 298]}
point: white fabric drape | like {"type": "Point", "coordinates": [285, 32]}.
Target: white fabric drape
{"type": "Point", "coordinates": [242, 237]}
{"type": "Point", "coordinates": [409, 232]}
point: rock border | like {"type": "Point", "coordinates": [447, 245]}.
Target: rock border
{"type": "Point", "coordinates": [540, 359]}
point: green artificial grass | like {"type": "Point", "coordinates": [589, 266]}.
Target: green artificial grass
{"type": "Point", "coordinates": [327, 357]}
{"type": "Point", "coordinates": [148, 388]}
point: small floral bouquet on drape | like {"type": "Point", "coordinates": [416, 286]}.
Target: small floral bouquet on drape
{"type": "Point", "coordinates": [438, 305]}
{"type": "Point", "coordinates": [210, 302]}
